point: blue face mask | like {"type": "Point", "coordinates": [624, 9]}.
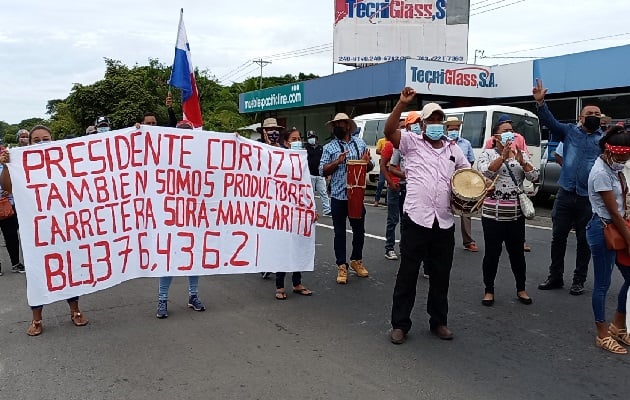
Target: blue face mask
{"type": "Point", "coordinates": [311, 141]}
{"type": "Point", "coordinates": [507, 137]}
{"type": "Point", "coordinates": [434, 131]}
{"type": "Point", "coordinates": [296, 145]}
{"type": "Point", "coordinates": [102, 129]}
{"type": "Point", "coordinates": [415, 128]}
{"type": "Point", "coordinates": [453, 135]}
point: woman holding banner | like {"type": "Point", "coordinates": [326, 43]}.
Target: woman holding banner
{"type": "Point", "coordinates": [39, 134]}
{"type": "Point", "coordinates": [291, 140]}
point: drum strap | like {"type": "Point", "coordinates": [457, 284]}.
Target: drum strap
{"type": "Point", "coordinates": [355, 147]}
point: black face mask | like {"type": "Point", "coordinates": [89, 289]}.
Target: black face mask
{"type": "Point", "coordinates": [339, 132]}
{"type": "Point", "coordinates": [591, 123]}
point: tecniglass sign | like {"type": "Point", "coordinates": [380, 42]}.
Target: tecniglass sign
{"type": "Point", "coordinates": [287, 96]}
{"type": "Point", "coordinates": [369, 32]}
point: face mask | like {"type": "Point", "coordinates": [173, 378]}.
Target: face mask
{"type": "Point", "coordinates": [102, 129]}
{"type": "Point", "coordinates": [453, 135]}
{"type": "Point", "coordinates": [434, 131]}
{"type": "Point", "coordinates": [507, 137]}
{"type": "Point", "coordinates": [273, 136]}
{"type": "Point", "coordinates": [415, 128]}
{"type": "Point", "coordinates": [339, 132]}
{"type": "Point", "coordinates": [43, 141]}
{"type": "Point", "coordinates": [591, 123]}
{"type": "Point", "coordinates": [616, 165]}
{"type": "Point", "coordinates": [23, 141]}
{"type": "Point", "coordinates": [311, 141]}
{"type": "Point", "coordinates": [296, 145]}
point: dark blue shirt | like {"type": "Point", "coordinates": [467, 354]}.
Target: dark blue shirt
{"type": "Point", "coordinates": [581, 149]}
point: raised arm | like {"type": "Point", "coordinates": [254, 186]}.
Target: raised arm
{"type": "Point", "coordinates": [392, 133]}
{"type": "Point", "coordinates": [557, 129]}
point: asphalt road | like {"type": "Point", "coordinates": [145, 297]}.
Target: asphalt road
{"type": "Point", "coordinates": [333, 345]}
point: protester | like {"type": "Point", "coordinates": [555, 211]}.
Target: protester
{"type": "Point", "coordinates": [571, 208]}
{"type": "Point", "coordinates": [270, 132]}
{"type": "Point", "coordinates": [314, 153]}
{"type": "Point", "coordinates": [427, 223]}
{"type": "Point", "coordinates": [165, 281]}
{"type": "Point", "coordinates": [22, 137]}
{"type": "Point", "coordinates": [607, 190]}
{"type": "Point", "coordinates": [381, 178]}
{"type": "Point", "coordinates": [333, 163]}
{"type": "Point", "coordinates": [9, 227]}
{"type": "Point", "coordinates": [393, 197]}
{"type": "Point", "coordinates": [291, 140]}
{"type": "Point", "coordinates": [102, 124]}
{"type": "Point", "coordinates": [501, 215]}
{"type": "Point", "coordinates": [453, 132]}
{"type": "Point", "coordinates": [39, 134]}
{"type": "Point", "coordinates": [149, 119]}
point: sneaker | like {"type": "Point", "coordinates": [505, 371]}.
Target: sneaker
{"type": "Point", "coordinates": [577, 288]}
{"type": "Point", "coordinates": [162, 311]}
{"type": "Point", "coordinates": [359, 269]}
{"type": "Point", "coordinates": [18, 268]}
{"type": "Point", "coordinates": [327, 214]}
{"type": "Point", "coordinates": [265, 275]}
{"type": "Point", "coordinates": [391, 255]}
{"type": "Point", "coordinates": [342, 274]}
{"type": "Point", "coordinates": [425, 275]}
{"type": "Point", "coordinates": [195, 303]}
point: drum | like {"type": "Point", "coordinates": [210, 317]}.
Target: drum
{"type": "Point", "coordinates": [468, 189]}
{"type": "Point", "coordinates": [356, 173]}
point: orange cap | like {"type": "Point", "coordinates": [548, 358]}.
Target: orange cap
{"type": "Point", "coordinates": [412, 117]}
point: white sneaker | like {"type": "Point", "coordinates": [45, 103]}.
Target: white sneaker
{"type": "Point", "coordinates": [391, 255]}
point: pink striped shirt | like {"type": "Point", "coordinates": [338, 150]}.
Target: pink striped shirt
{"type": "Point", "coordinates": [429, 173]}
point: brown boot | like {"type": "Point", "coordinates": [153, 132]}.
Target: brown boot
{"type": "Point", "coordinates": [359, 269]}
{"type": "Point", "coordinates": [342, 274]}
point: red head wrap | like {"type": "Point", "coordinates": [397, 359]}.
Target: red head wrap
{"type": "Point", "coordinates": [618, 149]}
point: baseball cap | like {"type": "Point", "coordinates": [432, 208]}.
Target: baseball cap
{"type": "Point", "coordinates": [412, 117]}
{"type": "Point", "coordinates": [503, 119]}
{"type": "Point", "coordinates": [311, 134]}
{"type": "Point", "coordinates": [429, 109]}
{"type": "Point", "coordinates": [100, 121]}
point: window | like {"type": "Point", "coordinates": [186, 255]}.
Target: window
{"type": "Point", "coordinates": [373, 131]}
{"type": "Point", "coordinates": [526, 126]}
{"type": "Point", "coordinates": [474, 127]}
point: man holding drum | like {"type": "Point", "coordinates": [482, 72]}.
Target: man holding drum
{"type": "Point", "coordinates": [333, 163]}
{"type": "Point", "coordinates": [428, 231]}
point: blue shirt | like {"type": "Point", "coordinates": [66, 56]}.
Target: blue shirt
{"type": "Point", "coordinates": [603, 179]}
{"type": "Point", "coordinates": [467, 149]}
{"type": "Point", "coordinates": [338, 180]}
{"type": "Point", "coordinates": [581, 149]}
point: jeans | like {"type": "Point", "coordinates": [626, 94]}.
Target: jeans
{"type": "Point", "coordinates": [296, 279]}
{"type": "Point", "coordinates": [603, 265]}
{"type": "Point", "coordinates": [569, 211]}
{"type": "Point", "coordinates": [435, 247]}
{"type": "Point", "coordinates": [379, 187]}
{"type": "Point", "coordinates": [165, 284]}
{"type": "Point", "coordinates": [494, 234]}
{"type": "Point", "coordinates": [319, 186]}
{"type": "Point", "coordinates": [9, 227]}
{"type": "Point", "coordinates": [393, 216]}
{"type": "Point", "coordinates": [339, 215]}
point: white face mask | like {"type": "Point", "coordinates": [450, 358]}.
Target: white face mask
{"type": "Point", "coordinates": [296, 145]}
{"type": "Point", "coordinates": [102, 129]}
{"type": "Point", "coordinates": [311, 141]}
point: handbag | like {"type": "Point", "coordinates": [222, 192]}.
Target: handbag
{"type": "Point", "coordinates": [527, 207]}
{"type": "Point", "coordinates": [614, 240]}
{"type": "Point", "coordinates": [6, 209]}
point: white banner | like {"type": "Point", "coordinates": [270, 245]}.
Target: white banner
{"type": "Point", "coordinates": [102, 209]}
{"type": "Point", "coordinates": [371, 32]}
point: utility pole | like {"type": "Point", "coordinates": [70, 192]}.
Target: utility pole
{"type": "Point", "coordinates": [262, 63]}
{"type": "Point", "coordinates": [480, 52]}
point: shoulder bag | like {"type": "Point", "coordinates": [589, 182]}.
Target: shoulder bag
{"type": "Point", "coordinates": [527, 207]}
{"type": "Point", "coordinates": [6, 209]}
{"type": "Point", "coordinates": [614, 240]}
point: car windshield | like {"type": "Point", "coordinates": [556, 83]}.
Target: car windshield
{"type": "Point", "coordinates": [373, 130]}
{"type": "Point", "coordinates": [526, 126]}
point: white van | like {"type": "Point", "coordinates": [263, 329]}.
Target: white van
{"type": "Point", "coordinates": [478, 122]}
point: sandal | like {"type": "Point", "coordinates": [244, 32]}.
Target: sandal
{"type": "Point", "coordinates": [619, 334]}
{"type": "Point", "coordinates": [610, 344]}
{"type": "Point", "coordinates": [35, 328]}
{"type": "Point", "coordinates": [302, 291]}
{"type": "Point", "coordinates": [280, 294]}
{"type": "Point", "coordinates": [78, 319]}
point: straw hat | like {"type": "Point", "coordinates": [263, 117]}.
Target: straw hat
{"type": "Point", "coordinates": [269, 123]}
{"type": "Point", "coordinates": [452, 121]}
{"type": "Point", "coordinates": [342, 117]}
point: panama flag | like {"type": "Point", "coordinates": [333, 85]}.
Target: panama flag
{"type": "Point", "coordinates": [183, 77]}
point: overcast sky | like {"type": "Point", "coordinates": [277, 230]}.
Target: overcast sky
{"type": "Point", "coordinates": [46, 46]}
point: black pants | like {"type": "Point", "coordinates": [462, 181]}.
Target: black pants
{"type": "Point", "coordinates": [434, 247]}
{"type": "Point", "coordinates": [9, 227]}
{"type": "Point", "coordinates": [494, 234]}
{"type": "Point", "coordinates": [339, 210]}
{"type": "Point", "coordinates": [296, 279]}
{"type": "Point", "coordinates": [570, 211]}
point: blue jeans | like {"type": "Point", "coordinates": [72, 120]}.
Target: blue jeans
{"type": "Point", "coordinates": [165, 284]}
{"type": "Point", "coordinates": [393, 216]}
{"type": "Point", "coordinates": [603, 265]}
{"type": "Point", "coordinates": [379, 187]}
{"type": "Point", "coordinates": [339, 215]}
{"type": "Point", "coordinates": [319, 187]}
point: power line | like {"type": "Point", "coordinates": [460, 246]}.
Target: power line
{"type": "Point", "coordinates": [245, 74]}
{"type": "Point", "coordinates": [235, 70]}
{"type": "Point", "coordinates": [478, 7]}
{"type": "Point", "coordinates": [564, 44]}
{"type": "Point", "coordinates": [496, 8]}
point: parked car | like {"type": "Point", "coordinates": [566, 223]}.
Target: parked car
{"type": "Point", "coordinates": [549, 171]}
